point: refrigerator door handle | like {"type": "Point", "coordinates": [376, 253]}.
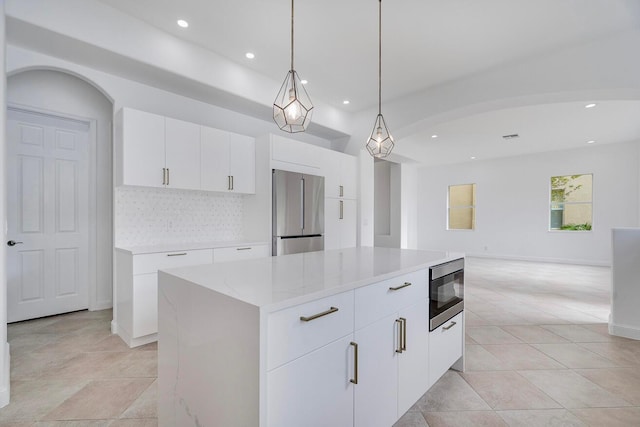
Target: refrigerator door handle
{"type": "Point", "coordinates": [302, 203]}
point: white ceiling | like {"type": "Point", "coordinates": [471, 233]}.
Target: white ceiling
{"type": "Point", "coordinates": [426, 43]}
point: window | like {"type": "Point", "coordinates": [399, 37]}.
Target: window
{"type": "Point", "coordinates": [571, 205]}
{"type": "Point", "coordinates": [462, 207]}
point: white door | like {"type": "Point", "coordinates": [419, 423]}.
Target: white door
{"type": "Point", "coordinates": [48, 215]}
{"type": "Point", "coordinates": [413, 374]}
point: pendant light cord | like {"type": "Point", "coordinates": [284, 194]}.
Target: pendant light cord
{"type": "Point", "coordinates": [380, 57]}
{"type": "Point", "coordinates": [291, 35]}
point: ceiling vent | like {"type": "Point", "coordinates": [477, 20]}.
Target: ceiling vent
{"type": "Point", "coordinates": [510, 137]}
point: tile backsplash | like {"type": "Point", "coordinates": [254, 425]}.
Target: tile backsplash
{"type": "Point", "coordinates": [149, 216]}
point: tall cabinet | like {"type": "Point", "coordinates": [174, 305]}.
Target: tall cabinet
{"type": "Point", "coordinates": [340, 200]}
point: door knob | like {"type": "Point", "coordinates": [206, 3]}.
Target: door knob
{"type": "Point", "coordinates": [13, 243]}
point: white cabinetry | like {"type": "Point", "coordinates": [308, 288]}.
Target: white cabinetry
{"type": "Point", "coordinates": [182, 153]}
{"type": "Point", "coordinates": [240, 253]}
{"type": "Point", "coordinates": [340, 172]}
{"type": "Point", "coordinates": [309, 363]}
{"type": "Point", "coordinates": [137, 290]}
{"type": "Point", "coordinates": [137, 284]}
{"type": "Point", "coordinates": [446, 347]}
{"type": "Point", "coordinates": [393, 373]}
{"type": "Point", "coordinates": [339, 223]}
{"type": "Point", "coordinates": [157, 151]}
{"type": "Point", "coordinates": [227, 161]}
{"type": "Point", "coordinates": [140, 150]}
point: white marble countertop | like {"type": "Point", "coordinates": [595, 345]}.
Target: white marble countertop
{"type": "Point", "coordinates": [275, 283]}
{"type": "Point", "coordinates": [186, 246]}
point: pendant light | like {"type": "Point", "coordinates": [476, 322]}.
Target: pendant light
{"type": "Point", "coordinates": [380, 141]}
{"type": "Point", "coordinates": [292, 108]}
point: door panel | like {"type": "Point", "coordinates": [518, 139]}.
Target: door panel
{"type": "Point", "coordinates": [47, 199]}
{"type": "Point", "coordinates": [313, 204]}
{"type": "Point", "coordinates": [214, 159]}
{"type": "Point", "coordinates": [242, 163]}
{"type": "Point", "coordinates": [182, 145]}
{"type": "Point", "coordinates": [287, 190]}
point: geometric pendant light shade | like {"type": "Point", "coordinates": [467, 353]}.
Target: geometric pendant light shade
{"type": "Point", "coordinates": [380, 142]}
{"type": "Point", "coordinates": [292, 108]}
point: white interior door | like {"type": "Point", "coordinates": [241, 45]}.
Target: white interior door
{"type": "Point", "coordinates": [47, 214]}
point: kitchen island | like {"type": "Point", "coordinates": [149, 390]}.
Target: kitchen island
{"type": "Point", "coordinates": [323, 338]}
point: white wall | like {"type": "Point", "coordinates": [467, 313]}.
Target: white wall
{"type": "Point", "coordinates": [512, 211]}
{"type": "Point", "coordinates": [365, 199]}
{"type": "Point", "coordinates": [4, 346]}
{"type": "Point", "coordinates": [408, 206]}
{"type": "Point", "coordinates": [58, 92]}
{"type": "Point", "coordinates": [387, 213]}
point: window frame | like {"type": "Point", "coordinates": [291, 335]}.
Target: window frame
{"type": "Point", "coordinates": [551, 203]}
{"type": "Point", "coordinates": [473, 207]}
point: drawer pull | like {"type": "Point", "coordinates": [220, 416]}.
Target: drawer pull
{"type": "Point", "coordinates": [396, 288]}
{"type": "Point", "coordinates": [354, 380]}
{"type": "Point", "coordinates": [243, 249]}
{"type": "Point", "coordinates": [180, 254]}
{"type": "Point", "coordinates": [446, 328]}
{"type": "Point", "coordinates": [315, 316]}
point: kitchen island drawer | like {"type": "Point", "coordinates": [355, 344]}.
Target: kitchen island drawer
{"type": "Point", "coordinates": [445, 346]}
{"type": "Point", "coordinates": [295, 331]}
{"type": "Point", "coordinates": [151, 263]}
{"type": "Point", "coordinates": [376, 301]}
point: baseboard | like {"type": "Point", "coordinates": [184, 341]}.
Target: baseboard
{"type": "Point", "coordinates": [624, 331]}
{"type": "Point", "coordinates": [539, 259]}
{"type": "Point", "coordinates": [130, 341]}
{"type": "Point", "coordinates": [114, 326]}
{"type": "Point", "coordinates": [5, 388]}
{"type": "Point", "coordinates": [101, 305]}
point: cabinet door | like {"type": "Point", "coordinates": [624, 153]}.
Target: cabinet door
{"type": "Point", "coordinates": [348, 224]}
{"type": "Point", "coordinates": [214, 159]}
{"type": "Point", "coordinates": [145, 305]}
{"type": "Point", "coordinates": [331, 170]}
{"type": "Point", "coordinates": [445, 347]}
{"type": "Point", "coordinates": [349, 176]}
{"type": "Point", "coordinates": [376, 396]}
{"type": "Point", "coordinates": [240, 253]}
{"type": "Point", "coordinates": [143, 151]}
{"type": "Point", "coordinates": [313, 390]}
{"type": "Point", "coordinates": [182, 144]}
{"type": "Point", "coordinates": [332, 224]}
{"type": "Point", "coordinates": [413, 374]}
{"type": "Point", "coordinates": [242, 163]}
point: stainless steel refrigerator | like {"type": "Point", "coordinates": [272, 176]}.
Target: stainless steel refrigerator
{"type": "Point", "coordinates": [298, 213]}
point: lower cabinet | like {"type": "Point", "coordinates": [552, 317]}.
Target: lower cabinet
{"type": "Point", "coordinates": [313, 390]}
{"type": "Point", "coordinates": [446, 347]}
{"type": "Point", "coordinates": [136, 303]}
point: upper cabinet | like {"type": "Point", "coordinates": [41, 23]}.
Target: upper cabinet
{"type": "Point", "coordinates": [157, 151]}
{"type": "Point", "coordinates": [140, 150]}
{"type": "Point", "coordinates": [182, 151]}
{"type": "Point", "coordinates": [228, 161]}
{"type": "Point", "coordinates": [340, 175]}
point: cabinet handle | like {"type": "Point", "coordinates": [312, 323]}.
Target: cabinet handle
{"type": "Point", "coordinates": [341, 191]}
{"type": "Point", "coordinates": [404, 334]}
{"type": "Point", "coordinates": [446, 328]}
{"type": "Point", "coordinates": [180, 254]}
{"type": "Point", "coordinates": [355, 363]}
{"type": "Point", "coordinates": [243, 249]}
{"type": "Point", "coordinates": [232, 182]}
{"type": "Point", "coordinates": [164, 176]}
{"type": "Point", "coordinates": [399, 348]}
{"type": "Point", "coordinates": [315, 316]}
{"type": "Point", "coordinates": [396, 288]}
{"type": "Point", "coordinates": [341, 209]}
{"type": "Point", "coordinates": [168, 175]}
{"type": "Point", "coordinates": [228, 182]}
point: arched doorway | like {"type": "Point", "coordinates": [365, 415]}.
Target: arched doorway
{"type": "Point", "coordinates": [59, 198]}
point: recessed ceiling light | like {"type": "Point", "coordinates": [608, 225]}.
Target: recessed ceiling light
{"type": "Point", "coordinates": [250, 55]}
{"type": "Point", "coordinates": [304, 82]}
{"type": "Point", "coordinates": [434, 136]}
{"type": "Point", "coordinates": [589, 105]}
{"type": "Point", "coordinates": [590, 142]}
{"type": "Point", "coordinates": [183, 23]}
{"type": "Point", "coordinates": [473, 157]}
{"type": "Point", "coordinates": [345, 102]}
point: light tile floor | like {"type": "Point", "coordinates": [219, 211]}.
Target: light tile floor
{"type": "Point", "coordinates": [538, 354]}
